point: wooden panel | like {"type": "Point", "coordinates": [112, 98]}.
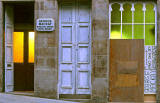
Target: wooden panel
{"type": "Point", "coordinates": [126, 70]}
{"type": "Point", "coordinates": [150, 98]}
{"type": "Point", "coordinates": [83, 38]}
{"type": "Point", "coordinates": [66, 48]}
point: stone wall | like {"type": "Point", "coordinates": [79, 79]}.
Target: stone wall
{"type": "Point", "coordinates": [46, 51]}
{"type": "Point", "coordinates": [1, 47]}
{"type": "Point", "coordinates": [100, 52]}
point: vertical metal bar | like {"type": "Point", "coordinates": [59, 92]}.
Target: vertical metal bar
{"type": "Point", "coordinates": [144, 10]}
{"type": "Point", "coordinates": [110, 10]}
{"type": "Point", "coordinates": [121, 9]}
{"type": "Point", "coordinates": [155, 9]}
{"type": "Point", "coordinates": [132, 9]}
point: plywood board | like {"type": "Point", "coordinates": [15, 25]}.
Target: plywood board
{"type": "Point", "coordinates": [126, 71]}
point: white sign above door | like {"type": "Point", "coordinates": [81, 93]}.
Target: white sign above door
{"type": "Point", "coordinates": [45, 24]}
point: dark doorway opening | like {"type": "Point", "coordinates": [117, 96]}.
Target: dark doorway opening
{"type": "Point", "coordinates": [23, 47]}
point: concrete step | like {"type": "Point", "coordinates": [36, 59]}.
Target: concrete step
{"type": "Point", "coordinates": [77, 100]}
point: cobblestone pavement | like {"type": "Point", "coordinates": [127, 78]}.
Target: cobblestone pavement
{"type": "Point", "coordinates": [11, 98]}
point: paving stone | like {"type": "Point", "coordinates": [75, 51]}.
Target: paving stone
{"type": "Point", "coordinates": [10, 98]}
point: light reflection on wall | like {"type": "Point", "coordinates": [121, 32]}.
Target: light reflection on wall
{"type": "Point", "coordinates": [18, 47]}
{"type": "Point", "coordinates": [31, 47]}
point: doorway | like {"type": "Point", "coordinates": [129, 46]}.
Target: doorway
{"type": "Point", "coordinates": [19, 47]}
{"type": "Point", "coordinates": [23, 58]}
{"type": "Point", "coordinates": [75, 48]}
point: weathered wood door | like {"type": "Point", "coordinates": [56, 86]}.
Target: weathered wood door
{"type": "Point", "coordinates": [9, 28]}
{"type": "Point", "coordinates": [126, 70]}
{"type": "Point", "coordinates": [74, 48]}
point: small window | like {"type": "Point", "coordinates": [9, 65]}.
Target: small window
{"type": "Point", "coordinates": [133, 21]}
{"type": "Point", "coordinates": [18, 47]}
{"type": "Point", "coordinates": [31, 47]}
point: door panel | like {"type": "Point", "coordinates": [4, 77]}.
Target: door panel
{"type": "Point", "coordinates": [23, 77]}
{"type": "Point", "coordinates": [19, 77]}
{"type": "Point", "coordinates": [67, 57]}
{"type": "Point", "coordinates": [9, 68]}
{"type": "Point", "coordinates": [67, 31]}
{"type": "Point", "coordinates": [30, 77]}
{"type": "Point", "coordinates": [126, 70]}
{"type": "Point", "coordinates": [83, 35]}
{"type": "Point", "coordinates": [74, 49]}
{"type": "Point", "coordinates": [83, 70]}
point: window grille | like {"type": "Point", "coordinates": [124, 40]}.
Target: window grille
{"type": "Point", "coordinates": [133, 21]}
